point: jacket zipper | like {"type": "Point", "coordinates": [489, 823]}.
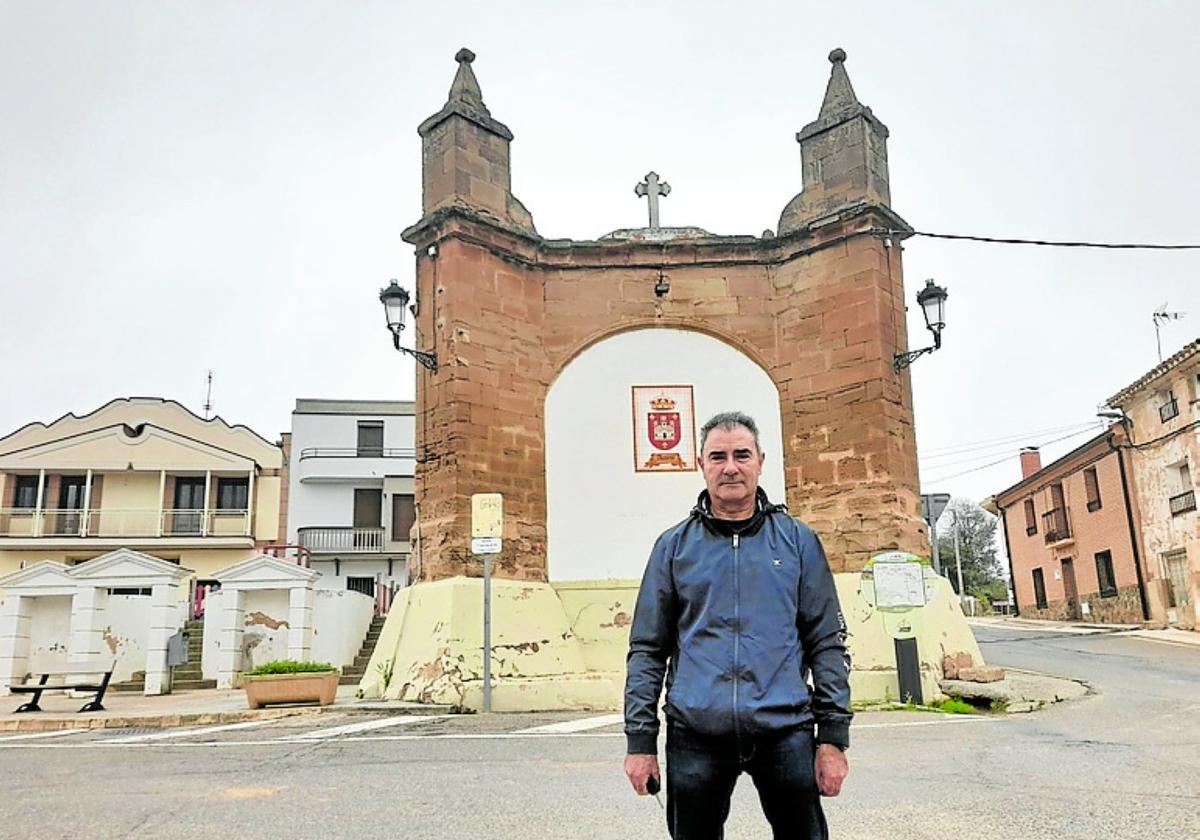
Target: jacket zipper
{"type": "Point", "coordinates": [737, 632]}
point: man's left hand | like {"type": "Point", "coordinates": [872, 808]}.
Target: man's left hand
{"type": "Point", "coordinates": [832, 769]}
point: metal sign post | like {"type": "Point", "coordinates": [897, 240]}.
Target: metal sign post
{"type": "Point", "coordinates": [932, 505]}
{"type": "Point", "coordinates": [487, 528]}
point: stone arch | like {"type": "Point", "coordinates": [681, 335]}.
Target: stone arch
{"type": "Point", "coordinates": [602, 516]}
{"type": "Point", "coordinates": [737, 342]}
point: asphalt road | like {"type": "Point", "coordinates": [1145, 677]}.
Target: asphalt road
{"type": "Point", "coordinates": [1121, 763]}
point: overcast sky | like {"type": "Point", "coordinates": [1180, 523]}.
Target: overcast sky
{"type": "Point", "coordinates": [186, 186]}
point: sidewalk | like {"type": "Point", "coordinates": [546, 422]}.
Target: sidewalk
{"type": "Point", "coordinates": [1172, 635]}
{"type": "Point", "coordinates": [207, 706]}
{"type": "Point", "coordinates": [1011, 623]}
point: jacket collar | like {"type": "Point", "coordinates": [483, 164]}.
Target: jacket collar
{"type": "Point", "coordinates": [723, 527]}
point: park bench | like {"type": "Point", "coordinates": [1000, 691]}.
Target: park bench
{"type": "Point", "coordinates": [43, 684]}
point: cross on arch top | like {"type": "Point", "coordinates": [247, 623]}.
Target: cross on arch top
{"type": "Point", "coordinates": [651, 188]}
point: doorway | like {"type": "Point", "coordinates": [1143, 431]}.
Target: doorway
{"type": "Point", "coordinates": [1070, 590]}
{"type": "Point", "coordinates": [368, 519]}
{"type": "Point", "coordinates": [188, 506]}
{"type": "Point", "coordinates": [70, 506]}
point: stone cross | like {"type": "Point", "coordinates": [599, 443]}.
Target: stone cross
{"type": "Point", "coordinates": [652, 188]}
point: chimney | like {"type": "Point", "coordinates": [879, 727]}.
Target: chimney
{"type": "Point", "coordinates": [1031, 461]}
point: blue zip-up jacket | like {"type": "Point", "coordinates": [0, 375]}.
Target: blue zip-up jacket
{"type": "Point", "coordinates": [735, 622]}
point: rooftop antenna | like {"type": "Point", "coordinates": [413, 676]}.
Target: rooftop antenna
{"type": "Point", "coordinates": [208, 396]}
{"type": "Point", "coordinates": [1161, 316]}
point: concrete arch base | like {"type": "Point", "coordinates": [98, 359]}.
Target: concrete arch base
{"type": "Point", "coordinates": [561, 646]}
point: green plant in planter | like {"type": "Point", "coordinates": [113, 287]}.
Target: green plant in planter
{"type": "Point", "coordinates": [290, 666]}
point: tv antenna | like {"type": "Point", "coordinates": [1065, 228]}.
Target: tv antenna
{"type": "Point", "coordinates": [208, 395]}
{"type": "Point", "coordinates": [1161, 316]}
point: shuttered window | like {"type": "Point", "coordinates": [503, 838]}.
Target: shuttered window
{"type": "Point", "coordinates": [1092, 485]}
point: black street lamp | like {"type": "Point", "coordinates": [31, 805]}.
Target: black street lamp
{"type": "Point", "coordinates": [933, 304]}
{"type": "Point", "coordinates": [395, 303]}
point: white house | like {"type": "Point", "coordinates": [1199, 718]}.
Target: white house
{"type": "Point", "coordinates": [350, 492]}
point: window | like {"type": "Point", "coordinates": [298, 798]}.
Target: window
{"type": "Point", "coordinates": [403, 516]}
{"type": "Point", "coordinates": [1104, 574]}
{"type": "Point", "coordinates": [1170, 408]}
{"type": "Point", "coordinates": [129, 590]}
{"type": "Point", "coordinates": [1030, 518]}
{"type": "Point", "coordinates": [370, 439]}
{"type": "Point", "coordinates": [25, 495]}
{"type": "Point", "coordinates": [1092, 485]}
{"type": "Point", "coordinates": [1039, 589]}
{"type": "Point", "coordinates": [233, 494]}
{"type": "Point", "coordinates": [365, 585]}
{"type": "Point", "coordinates": [1182, 492]}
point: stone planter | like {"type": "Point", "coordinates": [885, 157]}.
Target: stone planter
{"type": "Point", "coordinates": [312, 687]}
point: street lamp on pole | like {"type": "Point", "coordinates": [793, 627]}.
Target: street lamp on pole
{"type": "Point", "coordinates": [933, 305]}
{"type": "Point", "coordinates": [395, 300]}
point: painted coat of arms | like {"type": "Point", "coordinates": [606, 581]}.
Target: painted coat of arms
{"type": "Point", "coordinates": [664, 428]}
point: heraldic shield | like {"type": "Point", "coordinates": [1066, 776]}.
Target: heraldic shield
{"type": "Point", "coordinates": [669, 429]}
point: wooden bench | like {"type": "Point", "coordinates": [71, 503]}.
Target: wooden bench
{"type": "Point", "coordinates": [43, 684]}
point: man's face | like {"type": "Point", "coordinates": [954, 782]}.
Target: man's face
{"type": "Point", "coordinates": [731, 465]}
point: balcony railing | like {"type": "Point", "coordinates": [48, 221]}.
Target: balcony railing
{"type": "Point", "coordinates": [1183, 502]}
{"type": "Point", "coordinates": [342, 540]}
{"type": "Point", "coordinates": [352, 452]}
{"type": "Point", "coordinates": [123, 522]}
{"type": "Point", "coordinates": [1169, 410]}
{"type": "Point", "coordinates": [1056, 525]}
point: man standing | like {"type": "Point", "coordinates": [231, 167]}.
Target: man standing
{"type": "Point", "coordinates": [737, 608]}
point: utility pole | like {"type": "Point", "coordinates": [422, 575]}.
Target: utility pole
{"type": "Point", "coordinates": [958, 558]}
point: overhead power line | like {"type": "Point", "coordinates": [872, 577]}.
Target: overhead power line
{"type": "Point", "coordinates": [1002, 460]}
{"type": "Point", "coordinates": [938, 452]}
{"type": "Point", "coordinates": [1052, 243]}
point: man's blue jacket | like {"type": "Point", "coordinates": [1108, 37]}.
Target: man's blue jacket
{"type": "Point", "coordinates": [735, 622]}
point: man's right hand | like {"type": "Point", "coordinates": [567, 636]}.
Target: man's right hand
{"type": "Point", "coordinates": [639, 768]}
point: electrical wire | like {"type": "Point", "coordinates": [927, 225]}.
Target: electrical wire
{"type": "Point", "coordinates": [1002, 460]}
{"type": "Point", "coordinates": [992, 443]}
{"type": "Point", "coordinates": [1053, 243]}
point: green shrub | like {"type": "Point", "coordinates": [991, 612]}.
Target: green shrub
{"type": "Point", "coordinates": [290, 666]}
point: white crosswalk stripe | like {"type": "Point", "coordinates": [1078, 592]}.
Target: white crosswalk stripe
{"type": "Point", "coordinates": [187, 733]}
{"type": "Point", "coordinates": [568, 726]}
{"type": "Point", "coordinates": [31, 735]}
{"type": "Point", "coordinates": [352, 728]}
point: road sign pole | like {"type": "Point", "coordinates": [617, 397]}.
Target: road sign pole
{"type": "Point", "coordinates": [487, 633]}
{"type": "Point", "coordinates": [933, 547]}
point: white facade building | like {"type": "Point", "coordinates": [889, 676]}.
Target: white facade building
{"type": "Point", "coordinates": [350, 492]}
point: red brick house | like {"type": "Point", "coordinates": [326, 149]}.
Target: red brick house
{"type": "Point", "coordinates": [1069, 528]}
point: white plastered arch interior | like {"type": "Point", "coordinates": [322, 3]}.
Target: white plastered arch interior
{"type": "Point", "coordinates": [602, 516]}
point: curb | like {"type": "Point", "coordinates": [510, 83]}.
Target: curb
{"type": "Point", "coordinates": [35, 724]}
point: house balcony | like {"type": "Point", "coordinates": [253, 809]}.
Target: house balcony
{"type": "Point", "coordinates": [1056, 526]}
{"type": "Point", "coordinates": [1183, 503]}
{"type": "Point", "coordinates": [343, 540]}
{"type": "Point", "coordinates": [332, 464]}
{"type": "Point", "coordinates": [116, 527]}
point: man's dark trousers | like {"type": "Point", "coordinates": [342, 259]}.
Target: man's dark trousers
{"type": "Point", "coordinates": [702, 771]}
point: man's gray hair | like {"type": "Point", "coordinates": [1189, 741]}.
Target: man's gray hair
{"type": "Point", "coordinates": [730, 420]}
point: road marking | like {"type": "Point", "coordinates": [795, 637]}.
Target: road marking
{"type": "Point", "coordinates": [939, 720]}
{"type": "Point", "coordinates": [186, 733]}
{"type": "Point", "coordinates": [56, 733]}
{"type": "Point", "coordinates": [569, 726]}
{"type": "Point", "coordinates": [354, 728]}
{"type": "Point", "coordinates": [325, 734]}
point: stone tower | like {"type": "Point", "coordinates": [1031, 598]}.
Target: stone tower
{"type": "Point", "coordinates": [819, 307]}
